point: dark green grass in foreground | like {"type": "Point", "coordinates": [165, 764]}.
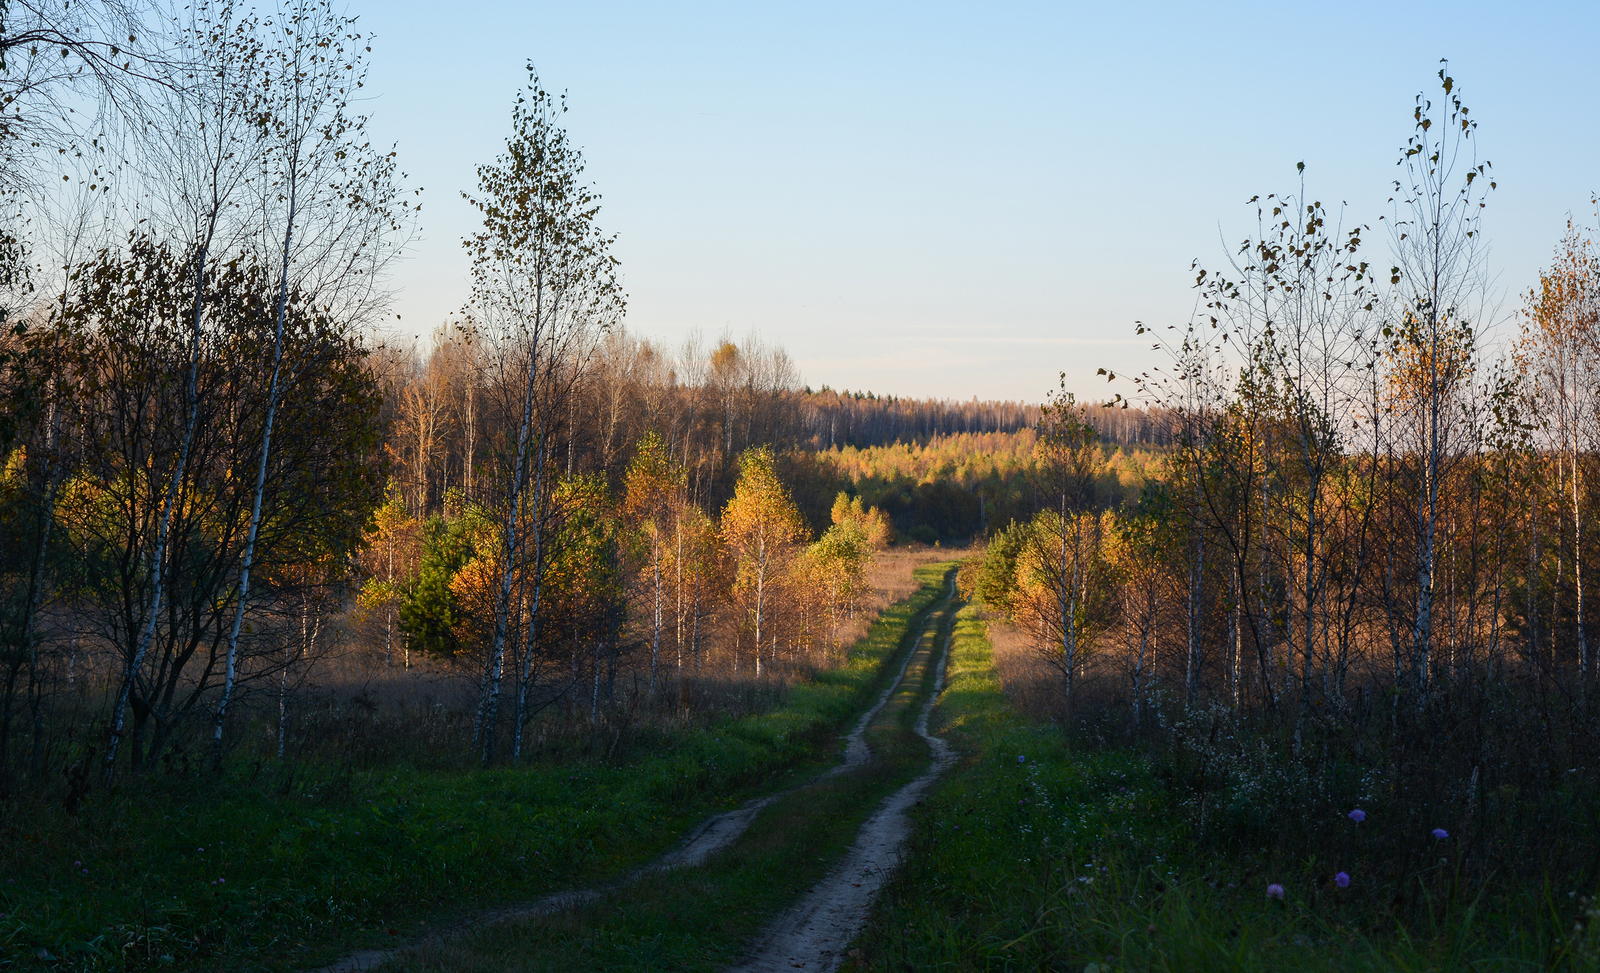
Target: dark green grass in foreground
{"type": "Point", "coordinates": [1033, 857]}
{"type": "Point", "coordinates": [229, 872]}
{"type": "Point", "coordinates": [702, 919]}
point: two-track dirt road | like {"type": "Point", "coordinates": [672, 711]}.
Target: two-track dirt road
{"type": "Point", "coordinates": [814, 932]}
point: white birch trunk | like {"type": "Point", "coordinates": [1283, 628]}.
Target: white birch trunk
{"type": "Point", "coordinates": [230, 672]}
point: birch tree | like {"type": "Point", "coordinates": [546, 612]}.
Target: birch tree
{"type": "Point", "coordinates": [836, 564]}
{"type": "Point", "coordinates": [198, 145]}
{"type": "Point", "coordinates": [1560, 348]}
{"type": "Point", "coordinates": [133, 319]}
{"type": "Point", "coordinates": [543, 284]}
{"type": "Point", "coordinates": [1066, 543]}
{"type": "Point", "coordinates": [1299, 301]}
{"type": "Point", "coordinates": [761, 527]}
{"type": "Point", "coordinates": [653, 490]}
{"type": "Point", "coordinates": [1439, 300]}
{"type": "Point", "coordinates": [699, 563]}
{"type": "Point", "coordinates": [391, 565]}
{"type": "Point", "coordinates": [332, 213]}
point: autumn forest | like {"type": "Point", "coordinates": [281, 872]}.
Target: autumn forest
{"type": "Point", "coordinates": [1282, 653]}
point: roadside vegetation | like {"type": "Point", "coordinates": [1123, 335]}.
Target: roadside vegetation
{"type": "Point", "coordinates": [1079, 848]}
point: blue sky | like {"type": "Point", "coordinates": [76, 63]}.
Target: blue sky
{"type": "Point", "coordinates": [944, 200]}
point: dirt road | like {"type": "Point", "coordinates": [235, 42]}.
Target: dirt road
{"type": "Point", "coordinates": [814, 933]}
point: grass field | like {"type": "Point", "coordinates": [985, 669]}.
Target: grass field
{"type": "Point", "coordinates": [265, 869]}
{"type": "Point", "coordinates": [1036, 854]}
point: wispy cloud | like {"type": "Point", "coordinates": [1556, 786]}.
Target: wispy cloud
{"type": "Point", "coordinates": [993, 339]}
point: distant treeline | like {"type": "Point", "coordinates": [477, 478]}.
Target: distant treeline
{"type": "Point", "coordinates": [862, 419]}
{"type": "Point", "coordinates": [709, 402]}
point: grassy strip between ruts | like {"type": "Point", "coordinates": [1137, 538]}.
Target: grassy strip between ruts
{"type": "Point", "coordinates": [228, 873]}
{"type": "Point", "coordinates": [698, 920]}
{"type": "Point", "coordinates": [1035, 855]}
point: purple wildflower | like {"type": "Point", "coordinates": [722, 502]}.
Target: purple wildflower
{"type": "Point", "coordinates": [1275, 891]}
{"type": "Point", "coordinates": [1342, 880]}
{"type": "Point", "coordinates": [1440, 833]}
{"type": "Point", "coordinates": [1358, 815]}
{"type": "Point", "coordinates": [1022, 758]}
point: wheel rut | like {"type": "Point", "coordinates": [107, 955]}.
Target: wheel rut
{"type": "Point", "coordinates": [815, 932]}
{"type": "Point", "coordinates": [705, 839]}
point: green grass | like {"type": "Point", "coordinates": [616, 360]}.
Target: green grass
{"type": "Point", "coordinates": [242, 871]}
{"type": "Point", "coordinates": [1038, 855]}
{"type": "Point", "coordinates": [703, 919]}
